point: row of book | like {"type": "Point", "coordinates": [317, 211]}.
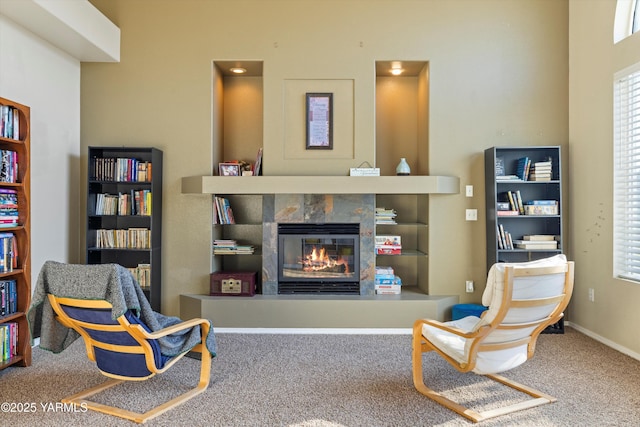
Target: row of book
{"type": "Point", "coordinates": [386, 282]}
{"type": "Point", "coordinates": [8, 166]}
{"type": "Point", "coordinates": [388, 245]}
{"type": "Point", "coordinates": [385, 216]}
{"type": "Point", "coordinates": [8, 297]}
{"type": "Point", "coordinates": [120, 169]}
{"type": "Point", "coordinates": [528, 242]}
{"type": "Point", "coordinates": [8, 207]}
{"type": "Point", "coordinates": [511, 204]}
{"type": "Point", "coordinates": [130, 238]}
{"type": "Point", "coordinates": [231, 247]}
{"type": "Point", "coordinates": [8, 252]}
{"type": "Point", "coordinates": [526, 170]}
{"type": "Point", "coordinates": [8, 340]}
{"type": "Point", "coordinates": [222, 213]}
{"type": "Point", "coordinates": [137, 202]}
{"type": "Point", "coordinates": [142, 274]}
{"type": "Point", "coordinates": [9, 122]}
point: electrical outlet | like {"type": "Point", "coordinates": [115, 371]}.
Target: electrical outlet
{"type": "Point", "coordinates": [469, 286]}
{"type": "Point", "coordinates": [469, 190]}
{"type": "Point", "coordinates": [592, 295]}
{"type": "Point", "coordinates": [471, 214]}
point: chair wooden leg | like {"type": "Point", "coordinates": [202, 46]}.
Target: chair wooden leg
{"type": "Point", "coordinates": [80, 398]}
{"type": "Point", "coordinates": [420, 347]}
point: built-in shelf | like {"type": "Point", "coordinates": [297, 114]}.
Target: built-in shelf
{"type": "Point", "coordinates": [321, 185]}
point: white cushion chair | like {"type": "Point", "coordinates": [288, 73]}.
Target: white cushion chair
{"type": "Point", "coordinates": [523, 299]}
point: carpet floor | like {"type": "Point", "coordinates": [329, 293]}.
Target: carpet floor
{"type": "Point", "coordinates": [334, 380]}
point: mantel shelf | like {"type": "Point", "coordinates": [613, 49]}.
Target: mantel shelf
{"type": "Point", "coordinates": [415, 184]}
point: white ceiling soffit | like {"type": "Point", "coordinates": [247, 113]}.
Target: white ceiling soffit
{"type": "Point", "coordinates": [74, 26]}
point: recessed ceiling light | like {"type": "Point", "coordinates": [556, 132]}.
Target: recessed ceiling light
{"type": "Point", "coordinates": [396, 68]}
{"type": "Point", "coordinates": [238, 70]}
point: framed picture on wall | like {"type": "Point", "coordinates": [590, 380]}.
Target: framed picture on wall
{"type": "Point", "coordinates": [228, 169]}
{"type": "Point", "coordinates": [319, 116]}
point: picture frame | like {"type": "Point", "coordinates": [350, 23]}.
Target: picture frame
{"type": "Point", "coordinates": [228, 169]}
{"type": "Point", "coordinates": [319, 118]}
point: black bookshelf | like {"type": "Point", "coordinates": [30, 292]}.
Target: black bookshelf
{"type": "Point", "coordinates": [123, 173]}
{"type": "Point", "coordinates": [502, 162]}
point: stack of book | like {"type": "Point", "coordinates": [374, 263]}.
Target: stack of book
{"type": "Point", "coordinates": [231, 247]}
{"type": "Point", "coordinates": [9, 122]}
{"type": "Point", "coordinates": [388, 245]}
{"type": "Point", "coordinates": [541, 171]}
{"type": "Point", "coordinates": [222, 213]}
{"type": "Point", "coordinates": [537, 242]}
{"type": "Point", "coordinates": [385, 216]}
{"type": "Point", "coordinates": [8, 340]}
{"type": "Point", "coordinates": [142, 274]}
{"type": "Point", "coordinates": [8, 166]}
{"type": "Point", "coordinates": [8, 252]}
{"type": "Point", "coordinates": [387, 282]}
{"type": "Point", "coordinates": [8, 297]}
{"type": "Point", "coordinates": [8, 207]}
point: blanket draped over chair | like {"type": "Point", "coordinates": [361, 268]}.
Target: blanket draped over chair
{"type": "Point", "coordinates": [112, 283]}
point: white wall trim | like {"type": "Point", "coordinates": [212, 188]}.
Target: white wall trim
{"type": "Point", "coordinates": [604, 340]}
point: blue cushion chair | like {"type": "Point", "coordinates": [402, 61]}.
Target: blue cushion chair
{"type": "Point", "coordinates": [128, 341]}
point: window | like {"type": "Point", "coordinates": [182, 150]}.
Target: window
{"type": "Point", "coordinates": [626, 182]}
{"type": "Point", "coordinates": [627, 19]}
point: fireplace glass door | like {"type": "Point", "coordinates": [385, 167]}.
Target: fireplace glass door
{"type": "Point", "coordinates": [308, 261]}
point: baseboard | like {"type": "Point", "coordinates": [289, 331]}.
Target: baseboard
{"type": "Point", "coordinates": [317, 331]}
{"type": "Point", "coordinates": [604, 340]}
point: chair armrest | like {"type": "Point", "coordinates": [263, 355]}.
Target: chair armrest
{"type": "Point", "coordinates": [443, 326]}
{"type": "Point", "coordinates": [187, 324]}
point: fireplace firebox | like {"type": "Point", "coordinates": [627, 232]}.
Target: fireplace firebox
{"type": "Point", "coordinates": [319, 258]}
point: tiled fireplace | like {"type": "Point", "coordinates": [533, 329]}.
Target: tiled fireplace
{"type": "Point", "coordinates": [339, 226]}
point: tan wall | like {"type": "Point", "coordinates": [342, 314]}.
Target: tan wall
{"type": "Point", "coordinates": [497, 76]}
{"type": "Point", "coordinates": [594, 59]}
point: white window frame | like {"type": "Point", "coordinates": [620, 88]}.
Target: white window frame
{"type": "Point", "coordinates": [626, 170]}
{"type": "Point", "coordinates": [626, 20]}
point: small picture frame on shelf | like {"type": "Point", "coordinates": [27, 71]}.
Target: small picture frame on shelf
{"type": "Point", "coordinates": [228, 169]}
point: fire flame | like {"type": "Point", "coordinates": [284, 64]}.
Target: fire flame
{"type": "Point", "coordinates": [319, 260]}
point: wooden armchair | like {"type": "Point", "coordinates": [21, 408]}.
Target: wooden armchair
{"type": "Point", "coordinates": [523, 300]}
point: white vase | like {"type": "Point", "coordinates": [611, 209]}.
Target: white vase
{"type": "Point", "coordinates": [403, 167]}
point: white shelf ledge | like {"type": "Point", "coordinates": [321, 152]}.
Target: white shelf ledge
{"type": "Point", "coordinates": [415, 184]}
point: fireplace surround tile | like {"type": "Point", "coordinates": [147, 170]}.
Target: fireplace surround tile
{"type": "Point", "coordinates": [318, 208]}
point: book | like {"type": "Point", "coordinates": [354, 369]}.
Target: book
{"type": "Point", "coordinates": [537, 246]}
{"type": "Point", "coordinates": [388, 240]}
{"type": "Point", "coordinates": [522, 168]}
{"type": "Point", "coordinates": [539, 237]}
{"type": "Point", "coordinates": [257, 166]}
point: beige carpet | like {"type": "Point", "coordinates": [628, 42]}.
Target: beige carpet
{"type": "Point", "coordinates": [336, 380]}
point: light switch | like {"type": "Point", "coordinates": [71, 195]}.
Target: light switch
{"type": "Point", "coordinates": [472, 214]}
{"type": "Point", "coordinates": [469, 190]}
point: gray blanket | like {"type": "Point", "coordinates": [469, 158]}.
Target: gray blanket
{"type": "Point", "coordinates": [110, 282]}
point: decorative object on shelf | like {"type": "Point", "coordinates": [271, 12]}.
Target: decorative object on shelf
{"type": "Point", "coordinates": [364, 171]}
{"type": "Point", "coordinates": [403, 167]}
{"type": "Point", "coordinates": [229, 169]}
{"type": "Point", "coordinates": [319, 116]}
{"type": "Point", "coordinates": [225, 283]}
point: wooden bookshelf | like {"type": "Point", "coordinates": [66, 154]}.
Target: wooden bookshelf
{"type": "Point", "coordinates": [18, 268]}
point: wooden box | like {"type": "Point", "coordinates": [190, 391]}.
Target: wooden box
{"type": "Point", "coordinates": [230, 283]}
